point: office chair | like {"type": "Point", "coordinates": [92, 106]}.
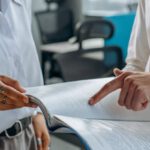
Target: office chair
{"type": "Point", "coordinates": [93, 29]}
{"type": "Point", "coordinates": [93, 62]}
{"type": "Point", "coordinates": [55, 25]}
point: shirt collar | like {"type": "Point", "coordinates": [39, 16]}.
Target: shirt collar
{"type": "Point", "coordinates": [4, 4]}
{"type": "Point", "coordinates": [0, 6]}
{"type": "Point", "coordinates": [19, 2]}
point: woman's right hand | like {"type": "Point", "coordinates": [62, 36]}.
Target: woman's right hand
{"type": "Point", "coordinates": [12, 95]}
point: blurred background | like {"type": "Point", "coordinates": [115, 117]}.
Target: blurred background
{"type": "Point", "coordinates": [81, 39]}
{"type": "Point", "coordinates": [64, 29]}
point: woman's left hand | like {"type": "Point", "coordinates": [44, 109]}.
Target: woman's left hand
{"type": "Point", "coordinates": [41, 132]}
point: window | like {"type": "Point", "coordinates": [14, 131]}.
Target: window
{"type": "Point", "coordinates": [99, 6]}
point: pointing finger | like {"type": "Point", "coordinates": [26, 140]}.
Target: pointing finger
{"type": "Point", "coordinates": [108, 88]}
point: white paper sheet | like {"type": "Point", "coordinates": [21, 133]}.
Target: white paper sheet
{"type": "Point", "coordinates": [71, 99]}
{"type": "Point", "coordinates": [111, 135]}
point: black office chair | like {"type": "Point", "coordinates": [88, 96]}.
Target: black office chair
{"type": "Point", "coordinates": [93, 29]}
{"type": "Point", "coordinates": [55, 25]}
{"type": "Point", "coordinates": [93, 62]}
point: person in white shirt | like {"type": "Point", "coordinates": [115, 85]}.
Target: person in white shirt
{"type": "Point", "coordinates": [134, 79]}
{"type": "Point", "coordinates": [19, 68]}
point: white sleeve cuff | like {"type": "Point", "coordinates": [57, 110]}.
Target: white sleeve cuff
{"type": "Point", "coordinates": [38, 110]}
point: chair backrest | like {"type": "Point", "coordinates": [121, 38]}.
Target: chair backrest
{"type": "Point", "coordinates": [93, 29]}
{"type": "Point", "coordinates": [55, 25]}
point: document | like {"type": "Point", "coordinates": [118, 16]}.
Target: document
{"type": "Point", "coordinates": [71, 99]}
{"type": "Point", "coordinates": [111, 135]}
{"type": "Point", "coordinates": [105, 126]}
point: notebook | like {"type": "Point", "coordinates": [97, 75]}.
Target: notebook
{"type": "Point", "coordinates": [105, 126]}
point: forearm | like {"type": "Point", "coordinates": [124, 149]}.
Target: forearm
{"type": "Point", "coordinates": [138, 50]}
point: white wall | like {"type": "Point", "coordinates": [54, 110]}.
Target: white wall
{"type": "Point", "coordinates": [38, 5]}
{"type": "Point", "coordinates": [76, 6]}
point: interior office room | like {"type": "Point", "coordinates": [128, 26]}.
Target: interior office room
{"type": "Point", "coordinates": [78, 43]}
{"type": "Point", "coordinates": [53, 37]}
{"type": "Point", "coordinates": [64, 29]}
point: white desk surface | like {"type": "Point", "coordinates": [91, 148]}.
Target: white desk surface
{"type": "Point", "coordinates": [64, 47]}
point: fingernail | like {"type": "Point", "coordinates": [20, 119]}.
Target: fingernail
{"type": "Point", "coordinates": [34, 106]}
{"type": "Point", "coordinates": [128, 107]}
{"type": "Point", "coordinates": [26, 99]}
{"type": "Point", "coordinates": [120, 103]}
{"type": "Point", "coordinates": [91, 101]}
{"type": "Point", "coordinates": [23, 90]}
{"type": "Point", "coordinates": [115, 69]}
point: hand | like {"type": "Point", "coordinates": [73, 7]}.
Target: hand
{"type": "Point", "coordinates": [135, 89]}
{"type": "Point", "coordinates": [12, 94]}
{"type": "Point", "coordinates": [41, 131]}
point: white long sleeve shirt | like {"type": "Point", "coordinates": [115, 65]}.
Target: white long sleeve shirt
{"type": "Point", "coordinates": [138, 58]}
{"type": "Point", "coordinates": [18, 57]}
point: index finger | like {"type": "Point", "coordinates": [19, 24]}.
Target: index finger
{"type": "Point", "coordinates": [14, 94]}
{"type": "Point", "coordinates": [108, 88]}
{"type": "Point", "coordinates": [13, 83]}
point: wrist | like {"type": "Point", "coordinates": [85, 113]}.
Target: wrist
{"type": "Point", "coordinates": [37, 117]}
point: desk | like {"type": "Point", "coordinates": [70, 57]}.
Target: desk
{"type": "Point", "coordinates": [48, 51]}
